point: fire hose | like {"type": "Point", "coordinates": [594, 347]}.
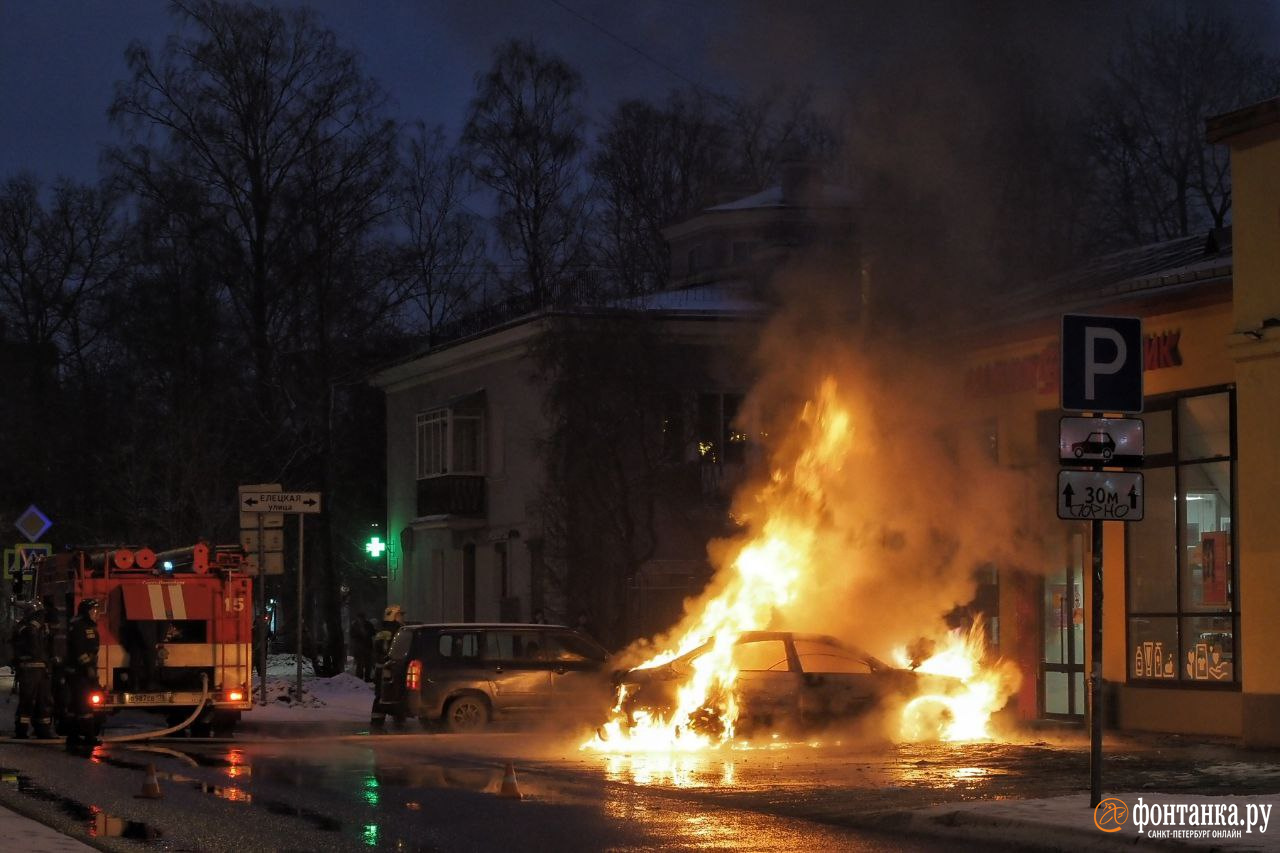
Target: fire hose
{"type": "Point", "coordinates": [204, 700]}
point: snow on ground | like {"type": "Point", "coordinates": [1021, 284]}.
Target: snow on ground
{"type": "Point", "coordinates": [341, 697]}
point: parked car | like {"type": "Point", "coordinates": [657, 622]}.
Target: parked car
{"type": "Point", "coordinates": [464, 675]}
{"type": "Point", "coordinates": [784, 678]}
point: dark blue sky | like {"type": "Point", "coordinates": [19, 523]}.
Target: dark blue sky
{"type": "Point", "coordinates": [60, 60]}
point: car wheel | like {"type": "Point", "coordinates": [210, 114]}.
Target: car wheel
{"type": "Point", "coordinates": [1079, 451]}
{"type": "Point", "coordinates": [1106, 454]}
{"type": "Point", "coordinates": [466, 714]}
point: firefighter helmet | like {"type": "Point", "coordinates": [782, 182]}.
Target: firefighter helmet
{"type": "Point", "coordinates": [393, 614]}
{"type": "Point", "coordinates": [85, 606]}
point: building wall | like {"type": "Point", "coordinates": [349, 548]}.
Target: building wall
{"type": "Point", "coordinates": [1019, 375]}
{"type": "Point", "coordinates": [1255, 347]}
{"type": "Point", "coordinates": [425, 556]}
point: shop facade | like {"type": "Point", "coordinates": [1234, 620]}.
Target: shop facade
{"type": "Point", "coordinates": [1190, 592]}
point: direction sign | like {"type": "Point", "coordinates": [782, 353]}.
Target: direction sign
{"type": "Point", "coordinates": [33, 523]}
{"type": "Point", "coordinates": [1100, 495]}
{"type": "Point", "coordinates": [305, 502]}
{"type": "Point", "coordinates": [1100, 441]}
{"type": "Point", "coordinates": [1102, 364]}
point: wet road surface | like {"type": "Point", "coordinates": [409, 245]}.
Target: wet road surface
{"type": "Point", "coordinates": [408, 790]}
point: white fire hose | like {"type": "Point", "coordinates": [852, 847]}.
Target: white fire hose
{"type": "Point", "coordinates": [204, 699]}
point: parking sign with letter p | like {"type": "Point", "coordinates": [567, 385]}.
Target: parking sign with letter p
{"type": "Point", "coordinates": [1102, 362]}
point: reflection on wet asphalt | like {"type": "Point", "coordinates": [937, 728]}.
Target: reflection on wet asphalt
{"type": "Point", "coordinates": [427, 792]}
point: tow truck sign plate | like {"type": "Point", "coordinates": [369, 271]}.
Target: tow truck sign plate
{"type": "Point", "coordinates": [1099, 495]}
{"type": "Point", "coordinates": [1100, 441]}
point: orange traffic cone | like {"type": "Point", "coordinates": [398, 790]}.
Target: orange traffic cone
{"type": "Point", "coordinates": [509, 786]}
{"type": "Point", "coordinates": [151, 787]}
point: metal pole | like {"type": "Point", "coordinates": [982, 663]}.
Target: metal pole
{"type": "Point", "coordinates": [1095, 675]}
{"type": "Point", "coordinates": [297, 696]}
{"type": "Point", "coordinates": [261, 627]}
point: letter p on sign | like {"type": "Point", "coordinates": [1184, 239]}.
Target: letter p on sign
{"type": "Point", "coordinates": [1101, 364]}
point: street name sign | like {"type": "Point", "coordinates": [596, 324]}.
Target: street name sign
{"type": "Point", "coordinates": [304, 502]}
{"type": "Point", "coordinates": [1100, 495]}
{"type": "Point", "coordinates": [1102, 363]}
{"type": "Point", "coordinates": [1100, 441]}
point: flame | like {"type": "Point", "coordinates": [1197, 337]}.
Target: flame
{"type": "Point", "coordinates": [972, 692]}
{"type": "Point", "coordinates": [760, 581]}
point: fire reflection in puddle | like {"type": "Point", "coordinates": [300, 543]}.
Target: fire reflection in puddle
{"type": "Point", "coordinates": [680, 769]}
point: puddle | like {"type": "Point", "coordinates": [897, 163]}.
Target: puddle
{"type": "Point", "coordinates": [96, 822]}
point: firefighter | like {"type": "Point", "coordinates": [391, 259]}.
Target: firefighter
{"type": "Point", "coordinates": [82, 675]}
{"type": "Point", "coordinates": [392, 619]}
{"type": "Point", "coordinates": [57, 653]}
{"type": "Point", "coordinates": [32, 653]}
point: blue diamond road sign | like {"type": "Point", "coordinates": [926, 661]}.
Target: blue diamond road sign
{"type": "Point", "coordinates": [33, 523]}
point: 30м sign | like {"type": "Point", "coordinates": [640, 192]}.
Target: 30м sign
{"type": "Point", "coordinates": [1100, 495]}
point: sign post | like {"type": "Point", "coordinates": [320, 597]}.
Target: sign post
{"type": "Point", "coordinates": [1102, 363]}
{"type": "Point", "coordinates": [266, 502]}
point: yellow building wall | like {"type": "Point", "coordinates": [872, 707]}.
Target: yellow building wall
{"type": "Point", "coordinates": [1255, 346]}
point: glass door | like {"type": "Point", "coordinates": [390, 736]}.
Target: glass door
{"type": "Point", "coordinates": [1062, 669]}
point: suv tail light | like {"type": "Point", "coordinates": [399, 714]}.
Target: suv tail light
{"type": "Point", "coordinates": [413, 675]}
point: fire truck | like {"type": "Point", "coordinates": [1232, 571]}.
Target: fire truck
{"type": "Point", "coordinates": [175, 628]}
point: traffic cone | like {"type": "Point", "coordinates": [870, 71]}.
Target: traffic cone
{"type": "Point", "coordinates": [509, 787]}
{"type": "Point", "coordinates": [151, 787]}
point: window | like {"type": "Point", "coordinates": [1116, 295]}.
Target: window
{"type": "Point", "coordinates": [761, 656]}
{"type": "Point", "coordinates": [450, 442]}
{"type": "Point", "coordinates": [718, 440]}
{"type": "Point", "coordinates": [824, 657]}
{"type": "Point", "coordinates": [459, 647]}
{"type": "Point", "coordinates": [1181, 577]}
{"type": "Point", "coordinates": [513, 646]}
{"type": "Point", "coordinates": [570, 647]}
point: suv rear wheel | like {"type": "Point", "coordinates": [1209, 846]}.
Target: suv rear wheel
{"type": "Point", "coordinates": [467, 713]}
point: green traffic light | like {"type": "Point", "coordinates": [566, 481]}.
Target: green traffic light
{"type": "Point", "coordinates": [375, 547]}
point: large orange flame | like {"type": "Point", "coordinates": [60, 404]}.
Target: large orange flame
{"type": "Point", "coordinates": [762, 580]}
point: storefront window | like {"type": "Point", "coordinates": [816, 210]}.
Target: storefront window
{"type": "Point", "coordinates": [1181, 577]}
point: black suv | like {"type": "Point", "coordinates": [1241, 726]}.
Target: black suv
{"type": "Point", "coordinates": [463, 675]}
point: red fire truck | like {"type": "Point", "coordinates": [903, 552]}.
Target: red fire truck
{"type": "Point", "coordinates": [175, 627]}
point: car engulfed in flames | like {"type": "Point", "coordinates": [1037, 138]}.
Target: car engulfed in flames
{"type": "Point", "coordinates": [721, 674]}
{"type": "Point", "coordinates": [786, 682]}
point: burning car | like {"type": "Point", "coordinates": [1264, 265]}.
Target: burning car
{"type": "Point", "coordinates": [783, 679]}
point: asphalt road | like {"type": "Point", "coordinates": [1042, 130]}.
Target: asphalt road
{"type": "Point", "coordinates": [342, 788]}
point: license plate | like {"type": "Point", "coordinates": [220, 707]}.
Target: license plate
{"type": "Point", "coordinates": [147, 698]}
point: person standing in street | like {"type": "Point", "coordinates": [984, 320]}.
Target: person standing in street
{"type": "Point", "coordinates": [361, 635]}
{"type": "Point", "coordinates": [392, 619]}
{"type": "Point", "coordinates": [82, 675]}
{"type": "Point", "coordinates": [32, 652]}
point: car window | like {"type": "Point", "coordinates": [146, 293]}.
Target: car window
{"type": "Point", "coordinates": [571, 647]}
{"type": "Point", "coordinates": [458, 646]}
{"type": "Point", "coordinates": [825, 657]}
{"type": "Point", "coordinates": [513, 645]}
{"type": "Point", "coordinates": [400, 645]}
{"type": "Point", "coordinates": [761, 656]}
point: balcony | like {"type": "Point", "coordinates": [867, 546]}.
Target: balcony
{"type": "Point", "coordinates": [452, 494]}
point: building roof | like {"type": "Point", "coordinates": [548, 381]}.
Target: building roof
{"type": "Point", "coordinates": [1154, 270]}
{"type": "Point", "coordinates": [823, 195]}
{"type": "Point", "coordinates": [1224, 127]}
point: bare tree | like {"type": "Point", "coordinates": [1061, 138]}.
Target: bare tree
{"type": "Point", "coordinates": [243, 107]}
{"type": "Point", "coordinates": [441, 259]}
{"type": "Point", "coordinates": [654, 165]}
{"type": "Point", "coordinates": [524, 135]}
{"type": "Point", "coordinates": [1157, 179]}
{"type": "Point", "coordinates": [263, 111]}
{"type": "Point", "coordinates": [768, 128]}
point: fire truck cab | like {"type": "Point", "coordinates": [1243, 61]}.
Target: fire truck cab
{"type": "Point", "coordinates": [173, 626]}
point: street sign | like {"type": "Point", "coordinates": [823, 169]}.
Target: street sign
{"type": "Point", "coordinates": [305, 502]}
{"type": "Point", "coordinates": [1102, 362]}
{"type": "Point", "coordinates": [1100, 495]}
{"type": "Point", "coordinates": [1100, 441]}
{"type": "Point", "coordinates": [255, 520]}
{"type": "Point", "coordinates": [33, 523]}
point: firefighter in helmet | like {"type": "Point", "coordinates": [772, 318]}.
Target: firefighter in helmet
{"type": "Point", "coordinates": [32, 654]}
{"type": "Point", "coordinates": [82, 675]}
{"type": "Point", "coordinates": [392, 619]}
